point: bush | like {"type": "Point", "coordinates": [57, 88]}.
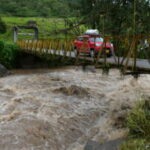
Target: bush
{"type": "Point", "coordinates": [1, 45]}
{"type": "Point", "coordinates": [8, 54]}
{"type": "Point", "coordinates": [138, 120]}
{"type": "Point", "coordinates": [139, 144]}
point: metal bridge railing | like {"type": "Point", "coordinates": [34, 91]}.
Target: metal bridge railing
{"type": "Point", "coordinates": [126, 48]}
{"type": "Point", "coordinates": [44, 46]}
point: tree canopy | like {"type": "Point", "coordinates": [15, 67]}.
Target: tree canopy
{"type": "Point", "coordinates": [44, 8]}
{"type": "Point", "coordinates": [117, 16]}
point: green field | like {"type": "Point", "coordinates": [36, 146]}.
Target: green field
{"type": "Point", "coordinates": [45, 25]}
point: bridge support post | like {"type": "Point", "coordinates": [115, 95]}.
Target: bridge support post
{"type": "Point", "coordinates": [36, 34]}
{"type": "Point", "coordinates": [15, 35]}
{"type": "Point", "coordinates": [17, 28]}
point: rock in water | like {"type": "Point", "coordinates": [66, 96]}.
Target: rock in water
{"type": "Point", "coordinates": [87, 68]}
{"type": "Point", "coordinates": [3, 71]}
{"type": "Point", "coordinates": [92, 145]}
{"type": "Point", "coordinates": [111, 145]}
{"type": "Point", "coordinates": [74, 90]}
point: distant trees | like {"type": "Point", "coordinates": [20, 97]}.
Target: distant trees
{"type": "Point", "coordinates": [45, 8]}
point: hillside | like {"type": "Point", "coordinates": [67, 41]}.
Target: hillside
{"type": "Point", "coordinates": [45, 25]}
{"type": "Point", "coordinates": [44, 8]}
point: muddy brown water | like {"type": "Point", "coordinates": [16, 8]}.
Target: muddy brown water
{"type": "Point", "coordinates": [61, 109]}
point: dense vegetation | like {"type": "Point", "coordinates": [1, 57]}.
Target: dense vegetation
{"type": "Point", "coordinates": [2, 26]}
{"type": "Point", "coordinates": [44, 8]}
{"type": "Point", "coordinates": [8, 54]}
{"type": "Point", "coordinates": [117, 15]}
{"type": "Point", "coordinates": [110, 16]}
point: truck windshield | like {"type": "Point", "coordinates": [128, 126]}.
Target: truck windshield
{"type": "Point", "coordinates": [97, 39]}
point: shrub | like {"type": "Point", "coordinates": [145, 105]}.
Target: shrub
{"type": "Point", "coordinates": [138, 120]}
{"type": "Point", "coordinates": [8, 54]}
{"type": "Point", "coordinates": [2, 26]}
{"type": "Point", "coordinates": [1, 45]}
{"type": "Point", "coordinates": [138, 144]}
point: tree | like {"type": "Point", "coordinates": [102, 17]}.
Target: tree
{"type": "Point", "coordinates": [116, 15]}
{"type": "Point", "coordinates": [44, 8]}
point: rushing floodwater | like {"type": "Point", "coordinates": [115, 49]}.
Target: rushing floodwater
{"type": "Point", "coordinates": [62, 109]}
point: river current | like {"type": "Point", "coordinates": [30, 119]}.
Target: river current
{"type": "Point", "coordinates": [61, 109]}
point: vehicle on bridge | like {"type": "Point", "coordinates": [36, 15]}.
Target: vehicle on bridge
{"type": "Point", "coordinates": [91, 43]}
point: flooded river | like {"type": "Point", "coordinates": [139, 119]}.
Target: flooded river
{"type": "Point", "coordinates": [62, 109]}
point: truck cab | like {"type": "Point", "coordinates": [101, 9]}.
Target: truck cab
{"type": "Point", "coordinates": [91, 44]}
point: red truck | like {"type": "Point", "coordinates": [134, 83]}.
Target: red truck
{"type": "Point", "coordinates": [91, 44]}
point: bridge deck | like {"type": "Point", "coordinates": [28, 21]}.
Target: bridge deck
{"type": "Point", "coordinates": [54, 47]}
{"type": "Point", "coordinates": [141, 63]}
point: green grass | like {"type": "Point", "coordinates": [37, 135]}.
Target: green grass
{"type": "Point", "coordinates": [138, 120]}
{"type": "Point", "coordinates": [138, 123]}
{"type": "Point", "coordinates": [45, 25]}
{"type": "Point", "coordinates": [136, 144]}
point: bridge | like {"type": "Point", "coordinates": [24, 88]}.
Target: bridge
{"type": "Point", "coordinates": [130, 51]}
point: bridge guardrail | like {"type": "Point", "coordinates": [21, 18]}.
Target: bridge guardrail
{"type": "Point", "coordinates": [125, 47]}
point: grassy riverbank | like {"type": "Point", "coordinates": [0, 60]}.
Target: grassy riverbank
{"type": "Point", "coordinates": [138, 123]}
